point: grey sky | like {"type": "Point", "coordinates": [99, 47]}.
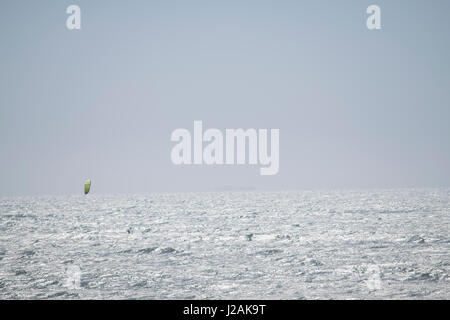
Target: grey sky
{"type": "Point", "coordinates": [355, 108]}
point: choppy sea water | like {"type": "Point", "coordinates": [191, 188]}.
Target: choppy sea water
{"type": "Point", "coordinates": [380, 244]}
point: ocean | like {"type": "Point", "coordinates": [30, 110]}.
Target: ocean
{"type": "Point", "coordinates": [349, 244]}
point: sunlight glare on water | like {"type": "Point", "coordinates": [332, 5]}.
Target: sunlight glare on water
{"type": "Point", "coordinates": [375, 244]}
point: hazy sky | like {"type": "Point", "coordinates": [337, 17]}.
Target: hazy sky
{"type": "Point", "coordinates": [355, 108]}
